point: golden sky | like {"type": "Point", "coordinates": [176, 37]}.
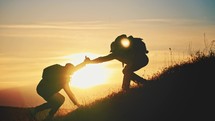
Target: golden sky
{"type": "Point", "coordinates": [35, 34]}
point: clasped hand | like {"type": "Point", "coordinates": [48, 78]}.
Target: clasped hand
{"type": "Point", "coordinates": [87, 60]}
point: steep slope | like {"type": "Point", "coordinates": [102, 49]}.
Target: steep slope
{"type": "Point", "coordinates": [181, 92]}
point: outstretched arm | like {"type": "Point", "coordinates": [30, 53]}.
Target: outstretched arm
{"type": "Point", "coordinates": [81, 65]}
{"type": "Point", "coordinates": [70, 95]}
{"type": "Point", "coordinates": [102, 59]}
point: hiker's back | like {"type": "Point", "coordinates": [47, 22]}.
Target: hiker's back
{"type": "Point", "coordinates": [138, 46]}
{"type": "Point", "coordinates": [52, 72]}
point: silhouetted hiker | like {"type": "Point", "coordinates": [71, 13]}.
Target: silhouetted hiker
{"type": "Point", "coordinates": [130, 51]}
{"type": "Point", "coordinates": [55, 78]}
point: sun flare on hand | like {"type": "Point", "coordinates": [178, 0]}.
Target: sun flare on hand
{"type": "Point", "coordinates": [91, 75]}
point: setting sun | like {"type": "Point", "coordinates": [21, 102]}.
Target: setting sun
{"type": "Point", "coordinates": [91, 75]}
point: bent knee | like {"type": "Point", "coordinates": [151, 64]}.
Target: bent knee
{"type": "Point", "coordinates": [127, 71]}
{"type": "Point", "coordinates": [61, 100]}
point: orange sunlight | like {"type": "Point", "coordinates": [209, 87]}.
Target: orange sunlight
{"type": "Point", "coordinates": [91, 75]}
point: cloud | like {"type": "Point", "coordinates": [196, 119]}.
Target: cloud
{"type": "Point", "coordinates": [102, 25]}
{"type": "Point", "coordinates": [169, 21]}
{"type": "Point", "coordinates": [85, 25]}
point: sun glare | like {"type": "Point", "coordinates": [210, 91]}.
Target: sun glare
{"type": "Point", "coordinates": [89, 76]}
{"type": "Point", "coordinates": [125, 43]}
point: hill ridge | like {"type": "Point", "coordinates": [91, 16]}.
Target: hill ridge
{"type": "Point", "coordinates": [181, 92]}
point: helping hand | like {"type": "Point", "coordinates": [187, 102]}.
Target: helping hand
{"type": "Point", "coordinates": [87, 60]}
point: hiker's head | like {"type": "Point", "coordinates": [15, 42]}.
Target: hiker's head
{"type": "Point", "coordinates": [120, 37]}
{"type": "Point", "coordinates": [120, 42]}
{"type": "Point", "coordinates": [69, 67]}
{"type": "Point", "coordinates": [113, 47]}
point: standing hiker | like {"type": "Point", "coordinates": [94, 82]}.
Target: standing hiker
{"type": "Point", "coordinates": [132, 53]}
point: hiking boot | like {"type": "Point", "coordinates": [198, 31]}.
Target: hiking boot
{"type": "Point", "coordinates": [140, 83]}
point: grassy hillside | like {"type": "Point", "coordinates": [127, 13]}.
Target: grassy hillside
{"type": "Point", "coordinates": [181, 92]}
{"type": "Point", "coordinates": [14, 114]}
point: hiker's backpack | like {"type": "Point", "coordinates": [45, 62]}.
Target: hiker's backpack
{"type": "Point", "coordinates": [52, 72]}
{"type": "Point", "coordinates": [137, 46]}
